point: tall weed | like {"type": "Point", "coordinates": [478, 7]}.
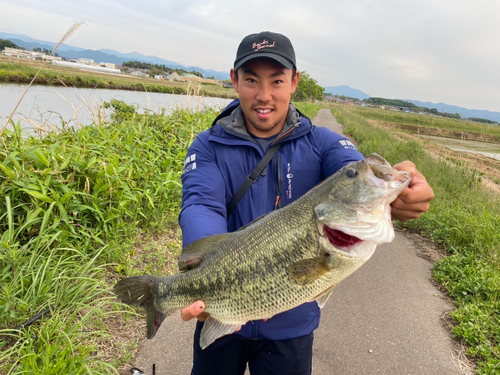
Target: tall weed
{"type": "Point", "coordinates": [308, 109]}
{"type": "Point", "coordinates": [71, 204]}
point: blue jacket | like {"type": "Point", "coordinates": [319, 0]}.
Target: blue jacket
{"type": "Point", "coordinates": [218, 162]}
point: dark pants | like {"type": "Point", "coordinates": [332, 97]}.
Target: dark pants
{"type": "Point", "coordinates": [230, 354]}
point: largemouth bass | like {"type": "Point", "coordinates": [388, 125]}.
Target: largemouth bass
{"type": "Point", "coordinates": [281, 260]}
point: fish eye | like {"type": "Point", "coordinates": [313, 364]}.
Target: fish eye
{"type": "Point", "coordinates": [351, 173]}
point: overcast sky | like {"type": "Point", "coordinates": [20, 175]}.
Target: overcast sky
{"type": "Point", "coordinates": [430, 50]}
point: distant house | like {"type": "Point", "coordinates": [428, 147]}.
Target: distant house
{"type": "Point", "coordinates": [159, 76]}
{"type": "Point", "coordinates": [138, 73]}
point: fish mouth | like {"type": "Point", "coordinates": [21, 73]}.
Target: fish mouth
{"type": "Point", "coordinates": [344, 244]}
{"type": "Point", "coordinates": [341, 239]}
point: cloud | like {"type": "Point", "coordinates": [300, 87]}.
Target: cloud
{"type": "Point", "coordinates": [436, 50]}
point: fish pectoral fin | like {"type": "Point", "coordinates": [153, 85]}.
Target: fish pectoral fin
{"type": "Point", "coordinates": [194, 253]}
{"type": "Point", "coordinates": [323, 297]}
{"type": "Point", "coordinates": [307, 271]}
{"type": "Point", "coordinates": [213, 329]}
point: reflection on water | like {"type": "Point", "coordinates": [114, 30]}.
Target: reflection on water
{"type": "Point", "coordinates": [52, 106]}
{"type": "Point", "coordinates": [491, 150]}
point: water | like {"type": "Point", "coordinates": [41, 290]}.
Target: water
{"type": "Point", "coordinates": [47, 106]}
{"type": "Point", "coordinates": [491, 150]}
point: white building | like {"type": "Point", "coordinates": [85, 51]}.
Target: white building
{"type": "Point", "coordinates": [85, 67]}
{"type": "Point", "coordinates": [81, 60]}
{"type": "Point", "coordinates": [138, 73]}
{"type": "Point", "coordinates": [80, 63]}
{"type": "Point", "coordinates": [108, 65]}
{"type": "Point", "coordinates": [28, 55]}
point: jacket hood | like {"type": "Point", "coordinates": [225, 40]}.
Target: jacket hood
{"type": "Point", "coordinates": [232, 121]}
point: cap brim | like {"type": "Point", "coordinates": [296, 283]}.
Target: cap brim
{"type": "Point", "coordinates": [287, 64]}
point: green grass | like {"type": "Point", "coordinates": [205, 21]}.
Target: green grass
{"type": "Point", "coordinates": [308, 109]}
{"type": "Point", "coordinates": [427, 121]}
{"type": "Point", "coordinates": [71, 206]}
{"type": "Point", "coordinates": [465, 219]}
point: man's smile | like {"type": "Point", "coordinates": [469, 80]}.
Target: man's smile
{"type": "Point", "coordinates": [264, 113]}
{"type": "Point", "coordinates": [264, 110]}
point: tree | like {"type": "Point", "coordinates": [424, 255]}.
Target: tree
{"type": "Point", "coordinates": [156, 71]}
{"type": "Point", "coordinates": [308, 89]}
{"type": "Point", "coordinates": [7, 43]}
{"type": "Point", "coordinates": [392, 102]}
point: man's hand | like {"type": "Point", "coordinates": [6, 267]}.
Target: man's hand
{"type": "Point", "coordinates": [194, 310]}
{"type": "Point", "coordinates": [415, 199]}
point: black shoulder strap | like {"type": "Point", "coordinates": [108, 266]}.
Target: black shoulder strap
{"type": "Point", "coordinates": [252, 177]}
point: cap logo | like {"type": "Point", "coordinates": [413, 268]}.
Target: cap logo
{"type": "Point", "coordinates": [263, 44]}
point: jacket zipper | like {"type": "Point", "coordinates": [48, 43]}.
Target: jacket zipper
{"type": "Point", "coordinates": [285, 134]}
{"type": "Point", "coordinates": [277, 181]}
{"type": "Point", "coordinates": [277, 169]}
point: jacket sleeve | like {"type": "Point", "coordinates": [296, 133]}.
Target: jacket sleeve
{"type": "Point", "coordinates": [336, 150]}
{"type": "Point", "coordinates": [203, 211]}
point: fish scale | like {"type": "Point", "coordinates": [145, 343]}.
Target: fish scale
{"type": "Point", "coordinates": [281, 260]}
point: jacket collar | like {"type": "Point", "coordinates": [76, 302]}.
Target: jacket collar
{"type": "Point", "coordinates": [232, 121]}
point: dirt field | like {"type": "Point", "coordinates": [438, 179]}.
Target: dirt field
{"type": "Point", "coordinates": [488, 167]}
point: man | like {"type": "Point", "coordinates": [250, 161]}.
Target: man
{"type": "Point", "coordinates": [218, 162]}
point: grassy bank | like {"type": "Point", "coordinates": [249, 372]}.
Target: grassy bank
{"type": "Point", "coordinates": [20, 71]}
{"type": "Point", "coordinates": [70, 210]}
{"type": "Point", "coordinates": [465, 220]}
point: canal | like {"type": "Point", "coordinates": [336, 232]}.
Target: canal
{"type": "Point", "coordinates": [50, 106]}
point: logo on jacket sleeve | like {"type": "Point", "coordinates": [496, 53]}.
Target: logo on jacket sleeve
{"type": "Point", "coordinates": [189, 163]}
{"type": "Point", "coordinates": [347, 144]}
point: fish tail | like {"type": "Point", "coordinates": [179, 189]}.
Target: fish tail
{"type": "Point", "coordinates": [138, 291]}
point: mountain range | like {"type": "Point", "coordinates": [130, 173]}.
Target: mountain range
{"type": "Point", "coordinates": [344, 90]}
{"type": "Point", "coordinates": [441, 107]}
{"type": "Point", "coordinates": [105, 55]}
{"type": "Point", "coordinates": [111, 56]}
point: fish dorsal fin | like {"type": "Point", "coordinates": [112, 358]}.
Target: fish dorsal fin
{"type": "Point", "coordinates": [307, 271]}
{"type": "Point", "coordinates": [194, 253]}
{"type": "Point", "coordinates": [213, 329]}
{"type": "Point", "coordinates": [255, 220]}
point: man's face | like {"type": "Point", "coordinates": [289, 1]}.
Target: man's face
{"type": "Point", "coordinates": [265, 88]}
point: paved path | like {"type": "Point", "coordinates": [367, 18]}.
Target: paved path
{"type": "Point", "coordinates": [385, 319]}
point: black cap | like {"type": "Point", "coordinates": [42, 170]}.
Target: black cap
{"type": "Point", "coordinates": [266, 44]}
